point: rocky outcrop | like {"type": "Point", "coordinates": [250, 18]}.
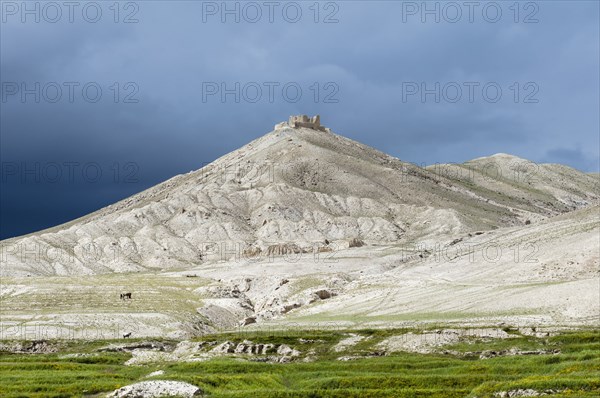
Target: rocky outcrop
{"type": "Point", "coordinates": [283, 249]}
{"type": "Point", "coordinates": [191, 351]}
{"type": "Point", "coordinates": [324, 294]}
{"type": "Point", "coordinates": [248, 321]}
{"type": "Point", "coordinates": [226, 347]}
{"type": "Point", "coordinates": [356, 243]}
{"type": "Point", "coordinates": [245, 347]}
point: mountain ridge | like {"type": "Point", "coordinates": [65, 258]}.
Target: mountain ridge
{"type": "Point", "coordinates": [333, 187]}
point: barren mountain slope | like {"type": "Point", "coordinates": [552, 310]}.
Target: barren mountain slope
{"type": "Point", "coordinates": [548, 273]}
{"type": "Point", "coordinates": [293, 189]}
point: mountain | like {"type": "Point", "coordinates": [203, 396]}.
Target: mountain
{"type": "Point", "coordinates": [300, 187]}
{"type": "Point", "coordinates": [351, 229]}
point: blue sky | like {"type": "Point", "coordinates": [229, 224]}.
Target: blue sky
{"type": "Point", "coordinates": [101, 101]}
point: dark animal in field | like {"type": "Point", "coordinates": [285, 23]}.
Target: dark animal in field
{"type": "Point", "coordinates": [126, 335]}
{"type": "Point", "coordinates": [125, 296]}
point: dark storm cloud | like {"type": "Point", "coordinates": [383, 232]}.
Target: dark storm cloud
{"type": "Point", "coordinates": [362, 65]}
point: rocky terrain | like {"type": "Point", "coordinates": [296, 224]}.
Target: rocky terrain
{"type": "Point", "coordinates": [306, 228]}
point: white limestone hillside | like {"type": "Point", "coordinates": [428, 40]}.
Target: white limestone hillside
{"type": "Point", "coordinates": [298, 188]}
{"type": "Point", "coordinates": [303, 227]}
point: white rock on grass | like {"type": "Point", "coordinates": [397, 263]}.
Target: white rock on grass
{"type": "Point", "coordinates": [156, 389]}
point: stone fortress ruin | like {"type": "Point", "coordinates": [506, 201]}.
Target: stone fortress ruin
{"type": "Point", "coordinates": [303, 121]}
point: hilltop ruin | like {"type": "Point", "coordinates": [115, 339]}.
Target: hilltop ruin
{"type": "Point", "coordinates": [299, 121]}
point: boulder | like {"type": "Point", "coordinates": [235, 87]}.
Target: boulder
{"type": "Point", "coordinates": [324, 294]}
{"type": "Point", "coordinates": [157, 388]}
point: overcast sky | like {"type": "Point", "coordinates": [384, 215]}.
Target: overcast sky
{"type": "Point", "coordinates": [100, 102]}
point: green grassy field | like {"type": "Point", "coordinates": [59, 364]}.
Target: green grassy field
{"type": "Point", "coordinates": [574, 372]}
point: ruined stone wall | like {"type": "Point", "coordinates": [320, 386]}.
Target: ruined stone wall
{"type": "Point", "coordinates": [304, 121]}
{"type": "Point", "coordinates": [298, 121]}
